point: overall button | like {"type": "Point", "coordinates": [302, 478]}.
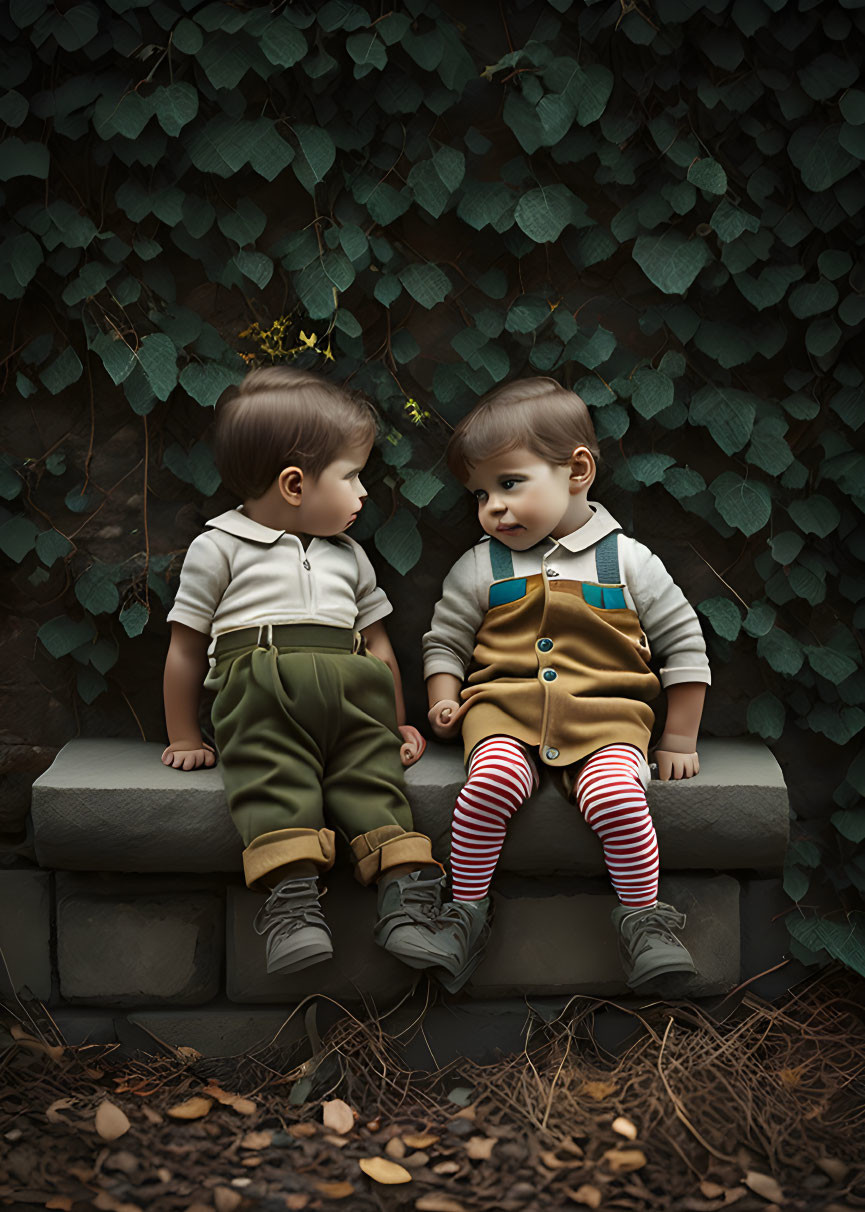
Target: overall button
{"type": "Point", "coordinates": [551, 572]}
{"type": "Point", "coordinates": [551, 754]}
{"type": "Point", "coordinates": [549, 675]}
{"type": "Point", "coordinates": [306, 565]}
{"type": "Point", "coordinates": [545, 645]}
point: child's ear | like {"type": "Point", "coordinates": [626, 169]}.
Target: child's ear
{"type": "Point", "coordinates": [290, 482]}
{"type": "Point", "coordinates": [583, 469]}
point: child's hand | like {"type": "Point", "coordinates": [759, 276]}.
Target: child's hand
{"type": "Point", "coordinates": [673, 765]}
{"type": "Point", "coordinates": [185, 756]}
{"type": "Point", "coordinates": [413, 744]}
{"type": "Point", "coordinates": [444, 717]}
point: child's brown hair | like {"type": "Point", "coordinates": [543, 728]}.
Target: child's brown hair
{"type": "Point", "coordinates": [538, 414]}
{"type": "Point", "coordinates": [278, 417]}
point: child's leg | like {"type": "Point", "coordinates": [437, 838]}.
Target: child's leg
{"type": "Point", "coordinates": [611, 796]}
{"type": "Point", "coordinates": [500, 779]}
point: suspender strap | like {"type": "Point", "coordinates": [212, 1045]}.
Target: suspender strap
{"type": "Point", "coordinates": [607, 560]}
{"type": "Point", "coordinates": [501, 559]}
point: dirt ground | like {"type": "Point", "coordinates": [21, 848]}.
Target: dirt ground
{"type": "Point", "coordinates": [762, 1111]}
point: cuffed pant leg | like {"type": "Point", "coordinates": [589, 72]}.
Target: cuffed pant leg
{"type": "Point", "coordinates": [271, 765]}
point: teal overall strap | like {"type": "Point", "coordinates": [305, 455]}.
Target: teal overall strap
{"type": "Point", "coordinates": [501, 559]}
{"type": "Point", "coordinates": [607, 560]}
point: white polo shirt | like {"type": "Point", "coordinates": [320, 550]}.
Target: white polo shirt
{"type": "Point", "coordinates": [666, 616]}
{"type": "Point", "coordinates": [239, 573]}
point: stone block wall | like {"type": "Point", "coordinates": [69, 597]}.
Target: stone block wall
{"type": "Point", "coordinates": [135, 923]}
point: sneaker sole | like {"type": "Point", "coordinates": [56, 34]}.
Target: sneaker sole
{"type": "Point", "coordinates": [313, 949]}
{"type": "Point", "coordinates": [652, 974]}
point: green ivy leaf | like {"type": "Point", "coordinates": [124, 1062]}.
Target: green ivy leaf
{"type": "Point", "coordinates": [255, 266]}
{"type": "Point", "coordinates": [317, 147]}
{"type": "Point", "coordinates": [724, 615]}
{"type": "Point", "coordinates": [399, 542]}
{"type": "Point", "coordinates": [420, 487]}
{"type": "Point", "coordinates": [134, 618]}
{"type": "Point", "coordinates": [90, 684]}
{"type": "Point", "coordinates": [653, 391]}
{"type": "Point", "coordinates": [544, 213]}
{"type": "Point", "coordinates": [850, 824]}
{"type": "Point", "coordinates": [157, 357]}
{"type": "Point", "coordinates": [815, 515]}
{"type": "Point", "coordinates": [812, 298]}
{"type": "Point", "coordinates": [206, 381]}
{"type": "Point", "coordinates": [670, 260]}
{"type": "Point", "coordinates": [61, 635]}
{"type": "Point", "coordinates": [244, 223]}
{"type": "Point", "coordinates": [727, 413]}
{"type": "Point", "coordinates": [649, 468]}
{"type": "Point", "coordinates": [367, 50]}
{"type": "Point", "coordinates": [96, 591]}
{"type": "Point", "coordinates": [782, 651]}
{"type": "Point", "coordinates": [175, 105]}
{"type": "Point", "coordinates": [730, 221]}
{"type": "Point", "coordinates": [64, 370]}
{"type": "Point", "coordinates": [20, 159]}
{"type": "Point", "coordinates": [843, 940]}
{"type": "Point", "coordinates": [745, 504]}
{"type": "Point", "coordinates": [426, 283]}
{"type": "Point", "coordinates": [52, 546]}
{"type": "Point", "coordinates": [18, 537]}
{"type": "Point", "coordinates": [765, 716]}
{"type": "Point", "coordinates": [707, 174]}
{"type": "Point", "coordinates": [821, 160]}
{"type": "Point", "coordinates": [282, 42]}
{"type": "Point", "coordinates": [829, 663]}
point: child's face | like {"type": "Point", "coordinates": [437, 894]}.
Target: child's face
{"type": "Point", "coordinates": [332, 501]}
{"type": "Point", "coordinates": [522, 498]}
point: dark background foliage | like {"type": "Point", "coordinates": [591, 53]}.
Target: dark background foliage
{"type": "Point", "coordinates": [660, 204]}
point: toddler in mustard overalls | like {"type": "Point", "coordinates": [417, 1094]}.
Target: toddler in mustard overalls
{"type": "Point", "coordinates": [552, 617]}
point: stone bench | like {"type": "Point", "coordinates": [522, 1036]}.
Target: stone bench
{"type": "Point", "coordinates": [137, 907]}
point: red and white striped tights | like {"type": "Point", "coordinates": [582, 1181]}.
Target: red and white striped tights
{"type": "Point", "coordinates": [609, 792]}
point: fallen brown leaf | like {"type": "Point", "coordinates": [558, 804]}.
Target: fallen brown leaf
{"type": "Point", "coordinates": [339, 1141]}
{"type": "Point", "coordinates": [373, 1125]}
{"type": "Point", "coordinates": [244, 1106]}
{"type": "Point", "coordinates": [337, 1116]}
{"type": "Point", "coordinates": [624, 1127]}
{"type": "Point", "coordinates": [55, 1051]}
{"type": "Point", "coordinates": [296, 1201]}
{"type": "Point", "coordinates": [251, 1162]}
{"type": "Point", "coordinates": [106, 1202]}
{"type": "Point", "coordinates": [199, 1208]}
{"type": "Point", "coordinates": [395, 1147]}
{"type": "Point", "coordinates": [622, 1161]}
{"type": "Point", "coordinates": [164, 1174]}
{"type": "Point", "coordinates": [382, 1171]}
{"type": "Point", "coordinates": [59, 1104]}
{"type": "Point", "coordinates": [417, 1160]}
{"type": "Point", "coordinates": [302, 1130]}
{"type": "Point", "coordinates": [60, 1201]}
{"type": "Point", "coordinates": [193, 1108]}
{"type": "Point", "coordinates": [764, 1186]}
{"type": "Point", "coordinates": [188, 1053]}
{"type": "Point", "coordinates": [110, 1121]}
{"type": "Point", "coordinates": [447, 1167]}
{"type": "Point", "coordinates": [154, 1116]}
{"type": "Point", "coordinates": [480, 1148]}
{"type": "Point", "coordinates": [549, 1159]}
{"type": "Point", "coordinates": [334, 1190]}
{"type": "Point", "coordinates": [588, 1195]}
{"type": "Point", "coordinates": [226, 1200]}
{"type": "Point", "coordinates": [435, 1202]}
{"type": "Point", "coordinates": [256, 1140]}
{"type": "Point", "coordinates": [598, 1090]}
{"type": "Point", "coordinates": [711, 1190]}
{"type": "Point", "coordinates": [81, 1172]}
{"type": "Point", "coordinates": [836, 1169]}
{"type": "Point", "coordinates": [466, 1113]}
{"type": "Point", "coordinates": [420, 1140]}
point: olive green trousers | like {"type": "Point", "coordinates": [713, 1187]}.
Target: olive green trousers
{"type": "Point", "coordinates": [307, 738]}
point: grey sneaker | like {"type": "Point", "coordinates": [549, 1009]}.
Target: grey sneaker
{"type": "Point", "coordinates": [408, 912]}
{"type": "Point", "coordinates": [463, 930]}
{"type": "Point", "coordinates": [647, 946]}
{"type": "Point", "coordinates": [291, 918]}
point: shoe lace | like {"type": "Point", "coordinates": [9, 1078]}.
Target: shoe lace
{"type": "Point", "coordinates": [657, 922]}
{"type": "Point", "coordinates": [292, 903]}
{"type": "Point", "coordinates": [455, 914]}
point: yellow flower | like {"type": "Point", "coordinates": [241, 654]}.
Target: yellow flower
{"type": "Point", "coordinates": [326, 353]}
{"type": "Point", "coordinates": [308, 341]}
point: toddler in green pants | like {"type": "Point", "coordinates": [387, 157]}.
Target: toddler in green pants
{"type": "Point", "coordinates": [280, 610]}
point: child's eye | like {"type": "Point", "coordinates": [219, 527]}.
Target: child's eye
{"type": "Point", "coordinates": [506, 484]}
